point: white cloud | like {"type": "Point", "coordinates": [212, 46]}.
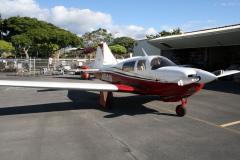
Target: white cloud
{"type": "Point", "coordinates": [198, 24]}
{"type": "Point", "coordinates": [79, 20]}
{"type": "Point", "coordinates": [232, 3]}
{"type": "Point", "coordinates": [192, 25]}
{"type": "Point", "coordinates": [22, 8]}
{"type": "Point", "coordinates": [136, 32]}
{"type": "Point", "coordinates": [76, 20]}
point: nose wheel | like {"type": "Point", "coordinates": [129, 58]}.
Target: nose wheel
{"type": "Point", "coordinates": [181, 109]}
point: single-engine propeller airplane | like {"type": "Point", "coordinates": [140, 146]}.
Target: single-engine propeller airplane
{"type": "Point", "coordinates": [147, 75]}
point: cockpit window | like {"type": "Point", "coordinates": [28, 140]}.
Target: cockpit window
{"type": "Point", "coordinates": [161, 62]}
{"type": "Point", "coordinates": [128, 66]}
{"type": "Point", "coordinates": [141, 65]}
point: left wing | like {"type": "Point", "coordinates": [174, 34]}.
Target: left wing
{"type": "Point", "coordinates": [222, 73]}
{"type": "Point", "coordinates": [60, 85]}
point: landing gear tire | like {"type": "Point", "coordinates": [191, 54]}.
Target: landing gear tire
{"type": "Point", "coordinates": [181, 111]}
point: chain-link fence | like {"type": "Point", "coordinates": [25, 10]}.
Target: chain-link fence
{"type": "Point", "coordinates": [34, 66]}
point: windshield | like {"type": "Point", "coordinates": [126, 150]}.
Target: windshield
{"type": "Point", "coordinates": [161, 62]}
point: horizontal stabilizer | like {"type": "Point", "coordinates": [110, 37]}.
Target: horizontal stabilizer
{"type": "Point", "coordinates": [60, 85]}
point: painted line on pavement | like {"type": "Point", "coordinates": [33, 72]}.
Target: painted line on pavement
{"type": "Point", "coordinates": [196, 119]}
{"type": "Point", "coordinates": [230, 124]}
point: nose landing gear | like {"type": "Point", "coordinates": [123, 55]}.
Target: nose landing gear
{"type": "Point", "coordinates": [181, 109]}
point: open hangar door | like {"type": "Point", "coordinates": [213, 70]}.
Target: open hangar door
{"type": "Point", "coordinates": [210, 49]}
{"type": "Point", "coordinates": [211, 58]}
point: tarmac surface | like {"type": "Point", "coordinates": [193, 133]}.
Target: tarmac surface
{"type": "Point", "coordinates": [69, 125]}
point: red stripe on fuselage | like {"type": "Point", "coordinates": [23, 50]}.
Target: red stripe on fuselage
{"type": "Point", "coordinates": [167, 91]}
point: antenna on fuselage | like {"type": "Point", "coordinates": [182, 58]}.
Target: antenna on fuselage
{"type": "Point", "coordinates": [144, 52]}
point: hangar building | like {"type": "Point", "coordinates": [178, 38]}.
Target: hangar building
{"type": "Point", "coordinates": [209, 49]}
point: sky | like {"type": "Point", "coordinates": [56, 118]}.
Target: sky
{"type": "Point", "coordinates": [133, 18]}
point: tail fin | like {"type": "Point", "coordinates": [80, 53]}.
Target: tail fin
{"type": "Point", "coordinates": [104, 56]}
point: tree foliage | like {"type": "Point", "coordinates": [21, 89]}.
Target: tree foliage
{"type": "Point", "coordinates": [165, 33]}
{"type": "Point", "coordinates": [92, 39]}
{"type": "Point", "coordinates": [5, 46]}
{"type": "Point", "coordinates": [118, 49]}
{"type": "Point", "coordinates": [38, 36]}
{"type": "Point", "coordinates": [127, 42]}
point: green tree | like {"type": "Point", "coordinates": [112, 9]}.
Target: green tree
{"type": "Point", "coordinates": [5, 46]}
{"type": "Point", "coordinates": [92, 39]}
{"type": "Point", "coordinates": [165, 33]}
{"type": "Point", "coordinates": [34, 36]}
{"type": "Point", "coordinates": [118, 49]}
{"type": "Point", "coordinates": [1, 27]}
{"type": "Point", "coordinates": [22, 43]}
{"type": "Point", "coordinates": [127, 42]}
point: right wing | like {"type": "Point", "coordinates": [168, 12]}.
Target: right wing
{"type": "Point", "coordinates": [68, 85]}
{"type": "Point", "coordinates": [60, 85]}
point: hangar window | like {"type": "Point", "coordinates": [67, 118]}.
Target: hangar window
{"type": "Point", "coordinates": [128, 66]}
{"type": "Point", "coordinates": [161, 62]}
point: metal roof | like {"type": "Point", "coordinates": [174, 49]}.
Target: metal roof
{"type": "Point", "coordinates": [221, 36]}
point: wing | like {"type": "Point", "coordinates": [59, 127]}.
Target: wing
{"type": "Point", "coordinates": [60, 85]}
{"type": "Point", "coordinates": [68, 85]}
{"type": "Point", "coordinates": [223, 73]}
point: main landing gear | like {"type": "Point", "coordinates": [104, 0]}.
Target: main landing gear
{"type": "Point", "coordinates": [105, 99]}
{"type": "Point", "coordinates": [181, 109]}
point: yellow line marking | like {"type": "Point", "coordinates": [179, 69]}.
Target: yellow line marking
{"type": "Point", "coordinates": [197, 119]}
{"type": "Point", "coordinates": [230, 124]}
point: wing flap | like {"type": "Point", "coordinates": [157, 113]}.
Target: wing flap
{"type": "Point", "coordinates": [60, 85]}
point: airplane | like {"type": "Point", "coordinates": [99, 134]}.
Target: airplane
{"type": "Point", "coordinates": [145, 75]}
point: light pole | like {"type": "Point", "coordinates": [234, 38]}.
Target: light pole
{"type": "Point", "coordinates": [1, 26]}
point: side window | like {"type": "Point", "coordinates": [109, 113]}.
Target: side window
{"type": "Point", "coordinates": [156, 63]}
{"type": "Point", "coordinates": [128, 66]}
{"type": "Point", "coordinates": [141, 65]}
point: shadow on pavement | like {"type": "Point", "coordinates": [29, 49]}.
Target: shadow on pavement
{"type": "Point", "coordinates": [224, 86]}
{"type": "Point", "coordinates": [129, 105]}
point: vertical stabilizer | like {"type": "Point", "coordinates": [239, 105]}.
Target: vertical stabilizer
{"type": "Point", "coordinates": [104, 56]}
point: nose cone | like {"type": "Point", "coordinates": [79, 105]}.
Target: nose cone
{"type": "Point", "coordinates": [205, 76]}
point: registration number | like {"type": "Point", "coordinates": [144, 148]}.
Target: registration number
{"type": "Point", "coordinates": [107, 77]}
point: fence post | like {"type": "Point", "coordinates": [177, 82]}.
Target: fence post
{"type": "Point", "coordinates": [34, 67]}
{"type": "Point", "coordinates": [30, 65]}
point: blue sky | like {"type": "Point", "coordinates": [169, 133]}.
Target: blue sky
{"type": "Point", "coordinates": [157, 13]}
{"type": "Point", "coordinates": [133, 18]}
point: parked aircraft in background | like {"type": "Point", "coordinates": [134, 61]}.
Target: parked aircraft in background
{"type": "Point", "coordinates": [147, 75]}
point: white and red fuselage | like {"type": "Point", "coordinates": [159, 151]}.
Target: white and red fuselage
{"type": "Point", "coordinates": [143, 75]}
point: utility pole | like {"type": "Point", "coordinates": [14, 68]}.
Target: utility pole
{"type": "Point", "coordinates": [1, 29]}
